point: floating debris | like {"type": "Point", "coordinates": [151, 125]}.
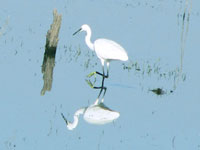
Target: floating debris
{"type": "Point", "coordinates": [158, 91]}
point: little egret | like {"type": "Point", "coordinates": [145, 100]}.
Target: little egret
{"type": "Point", "coordinates": [98, 114]}
{"type": "Point", "coordinates": [106, 50]}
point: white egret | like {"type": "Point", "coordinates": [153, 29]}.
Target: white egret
{"type": "Point", "coordinates": [97, 114]}
{"type": "Point", "coordinates": [106, 50]}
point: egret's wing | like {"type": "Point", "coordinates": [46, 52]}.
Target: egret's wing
{"type": "Point", "coordinates": [100, 115]}
{"type": "Point", "coordinates": [108, 49]}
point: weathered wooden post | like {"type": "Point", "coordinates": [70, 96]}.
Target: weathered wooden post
{"type": "Point", "coordinates": [50, 52]}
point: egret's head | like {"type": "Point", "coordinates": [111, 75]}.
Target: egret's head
{"type": "Point", "coordinates": [70, 125]}
{"type": "Point", "coordinates": [84, 27]}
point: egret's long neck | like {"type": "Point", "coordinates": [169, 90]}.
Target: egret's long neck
{"type": "Point", "coordinates": [72, 125]}
{"type": "Point", "coordinates": [88, 39]}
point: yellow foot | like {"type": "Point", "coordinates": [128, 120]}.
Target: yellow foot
{"type": "Point", "coordinates": [91, 74]}
{"type": "Point", "coordinates": [89, 83]}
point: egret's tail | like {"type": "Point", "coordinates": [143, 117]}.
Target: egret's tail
{"type": "Point", "coordinates": [124, 57]}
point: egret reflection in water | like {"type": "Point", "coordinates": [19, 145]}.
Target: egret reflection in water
{"type": "Point", "coordinates": [97, 113]}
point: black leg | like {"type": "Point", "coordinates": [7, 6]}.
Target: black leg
{"type": "Point", "coordinates": [102, 88]}
{"type": "Point", "coordinates": [105, 88]}
{"type": "Point", "coordinates": [100, 92]}
{"type": "Point", "coordinates": [103, 78]}
{"type": "Point", "coordinates": [102, 85]}
{"type": "Point", "coordinates": [103, 75]}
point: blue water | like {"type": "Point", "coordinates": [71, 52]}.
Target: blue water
{"type": "Point", "coordinates": [154, 35]}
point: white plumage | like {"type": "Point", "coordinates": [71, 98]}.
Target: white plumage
{"type": "Point", "coordinates": [106, 50]}
{"type": "Point", "coordinates": [109, 50]}
{"type": "Point", "coordinates": [97, 113]}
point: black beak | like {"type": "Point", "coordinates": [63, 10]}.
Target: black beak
{"type": "Point", "coordinates": [64, 118]}
{"type": "Point", "coordinates": [77, 31]}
